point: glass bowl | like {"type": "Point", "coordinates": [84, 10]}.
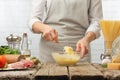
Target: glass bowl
{"type": "Point", "coordinates": [65, 59]}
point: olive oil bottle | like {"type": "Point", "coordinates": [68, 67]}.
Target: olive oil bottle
{"type": "Point", "coordinates": [24, 46]}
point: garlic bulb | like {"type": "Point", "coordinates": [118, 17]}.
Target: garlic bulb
{"type": "Point", "coordinates": [105, 61]}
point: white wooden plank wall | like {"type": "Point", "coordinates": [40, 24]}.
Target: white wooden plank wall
{"type": "Point", "coordinates": [14, 17]}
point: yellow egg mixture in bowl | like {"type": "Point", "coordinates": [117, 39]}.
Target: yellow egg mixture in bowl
{"type": "Point", "coordinates": [67, 57]}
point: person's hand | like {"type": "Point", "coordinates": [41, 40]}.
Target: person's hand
{"type": "Point", "coordinates": [50, 34]}
{"type": "Point", "coordinates": [82, 47]}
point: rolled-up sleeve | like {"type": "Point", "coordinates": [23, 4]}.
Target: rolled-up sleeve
{"type": "Point", "coordinates": [95, 14]}
{"type": "Point", "coordinates": [37, 12]}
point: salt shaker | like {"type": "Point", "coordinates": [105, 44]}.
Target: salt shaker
{"type": "Point", "coordinates": [14, 41]}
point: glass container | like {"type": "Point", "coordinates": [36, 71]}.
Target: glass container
{"type": "Point", "coordinates": [116, 50]}
{"type": "Point", "coordinates": [110, 30]}
{"type": "Point", "coordinates": [25, 46]}
{"type": "Point", "coordinates": [14, 41]}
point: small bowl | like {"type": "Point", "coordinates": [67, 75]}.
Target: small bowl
{"type": "Point", "coordinates": [65, 59]}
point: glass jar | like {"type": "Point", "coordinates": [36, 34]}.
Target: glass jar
{"type": "Point", "coordinates": [116, 50]}
{"type": "Point", "coordinates": [14, 41]}
{"type": "Point", "coordinates": [107, 51]}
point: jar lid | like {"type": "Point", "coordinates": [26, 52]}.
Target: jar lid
{"type": "Point", "coordinates": [13, 38]}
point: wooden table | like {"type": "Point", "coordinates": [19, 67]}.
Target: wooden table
{"type": "Point", "coordinates": [18, 74]}
{"type": "Point", "coordinates": [49, 71]}
{"type": "Point", "coordinates": [82, 71]}
{"type": "Point", "coordinates": [108, 74]}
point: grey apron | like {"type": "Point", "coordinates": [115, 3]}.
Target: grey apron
{"type": "Point", "coordinates": [64, 16]}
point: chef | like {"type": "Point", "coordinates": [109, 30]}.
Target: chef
{"type": "Point", "coordinates": [62, 23]}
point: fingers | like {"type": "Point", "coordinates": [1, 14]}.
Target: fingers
{"type": "Point", "coordinates": [82, 49]}
{"type": "Point", "coordinates": [51, 36]}
{"type": "Point", "coordinates": [54, 36]}
{"type": "Point", "coordinates": [47, 37]}
{"type": "Point", "coordinates": [78, 48]}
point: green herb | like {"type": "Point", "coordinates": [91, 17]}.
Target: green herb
{"type": "Point", "coordinates": [8, 50]}
{"type": "Point", "coordinates": [104, 66]}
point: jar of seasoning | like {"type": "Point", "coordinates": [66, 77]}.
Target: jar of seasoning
{"type": "Point", "coordinates": [13, 41]}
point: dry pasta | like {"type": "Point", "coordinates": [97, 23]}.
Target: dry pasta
{"type": "Point", "coordinates": [110, 29]}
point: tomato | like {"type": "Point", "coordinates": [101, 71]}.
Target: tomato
{"type": "Point", "coordinates": [3, 61]}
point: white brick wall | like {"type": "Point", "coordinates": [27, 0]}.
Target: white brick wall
{"type": "Point", "coordinates": [14, 16]}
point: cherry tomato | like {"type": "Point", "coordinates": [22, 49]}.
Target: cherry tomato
{"type": "Point", "coordinates": [3, 61]}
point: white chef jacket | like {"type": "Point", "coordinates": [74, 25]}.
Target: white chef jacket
{"type": "Point", "coordinates": [91, 13]}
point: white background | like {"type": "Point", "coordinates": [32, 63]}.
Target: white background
{"type": "Point", "coordinates": [14, 16]}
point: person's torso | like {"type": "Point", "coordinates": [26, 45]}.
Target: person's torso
{"type": "Point", "coordinates": [70, 19]}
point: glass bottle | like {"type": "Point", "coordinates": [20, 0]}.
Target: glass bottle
{"type": "Point", "coordinates": [106, 57]}
{"type": "Point", "coordinates": [24, 46]}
